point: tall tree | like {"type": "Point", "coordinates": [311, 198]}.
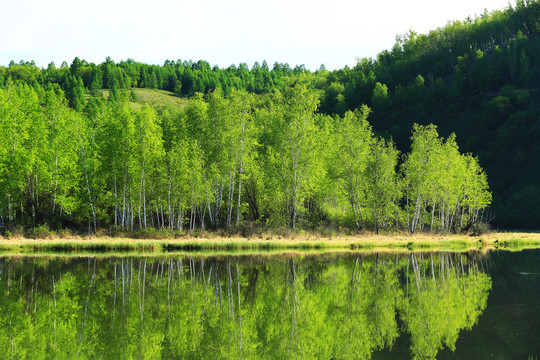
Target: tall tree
{"type": "Point", "coordinates": [292, 150]}
{"type": "Point", "coordinates": [383, 190]}
{"type": "Point", "coordinates": [354, 141]}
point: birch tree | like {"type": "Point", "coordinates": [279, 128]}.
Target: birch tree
{"type": "Point", "coordinates": [420, 173]}
{"type": "Point", "coordinates": [62, 155]}
{"type": "Point", "coordinates": [19, 118]}
{"type": "Point", "coordinates": [383, 189]}
{"type": "Point", "coordinates": [291, 148]}
{"type": "Point", "coordinates": [116, 142]}
{"type": "Point", "coordinates": [149, 154]}
{"type": "Point", "coordinates": [89, 187]}
{"type": "Point", "coordinates": [352, 152]}
{"type": "Point", "coordinates": [441, 185]}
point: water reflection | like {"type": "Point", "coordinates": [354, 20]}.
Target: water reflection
{"type": "Point", "coordinates": [324, 307]}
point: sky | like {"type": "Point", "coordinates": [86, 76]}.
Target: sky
{"type": "Point", "coordinates": [223, 32]}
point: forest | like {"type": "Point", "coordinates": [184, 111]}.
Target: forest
{"type": "Point", "coordinates": [404, 141]}
{"type": "Point", "coordinates": [223, 162]}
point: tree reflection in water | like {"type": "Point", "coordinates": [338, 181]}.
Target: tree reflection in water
{"type": "Point", "coordinates": [339, 307]}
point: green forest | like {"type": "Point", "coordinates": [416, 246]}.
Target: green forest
{"type": "Point", "coordinates": [405, 141]}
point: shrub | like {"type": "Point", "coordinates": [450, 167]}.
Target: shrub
{"type": "Point", "coordinates": [40, 232]}
{"type": "Point", "coordinates": [479, 228]}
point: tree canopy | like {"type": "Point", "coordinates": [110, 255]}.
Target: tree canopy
{"type": "Point", "coordinates": [222, 162]}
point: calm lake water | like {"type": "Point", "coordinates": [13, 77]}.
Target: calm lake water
{"type": "Point", "coordinates": [333, 306]}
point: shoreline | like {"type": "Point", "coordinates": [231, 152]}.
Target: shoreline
{"type": "Point", "coordinates": [269, 242]}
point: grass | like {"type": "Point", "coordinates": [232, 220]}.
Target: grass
{"type": "Point", "coordinates": [279, 241]}
{"type": "Point", "coordinates": [154, 98]}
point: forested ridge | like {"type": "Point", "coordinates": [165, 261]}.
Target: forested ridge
{"type": "Point", "coordinates": [285, 146]}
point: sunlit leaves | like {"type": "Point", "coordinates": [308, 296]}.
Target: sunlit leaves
{"type": "Point", "coordinates": [443, 188]}
{"type": "Point", "coordinates": [329, 307]}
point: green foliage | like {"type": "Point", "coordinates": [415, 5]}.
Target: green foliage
{"type": "Point", "coordinates": [40, 232]}
{"type": "Point", "coordinates": [476, 78]}
{"type": "Point", "coordinates": [380, 99]}
{"type": "Point", "coordinates": [353, 142]}
{"type": "Point", "coordinates": [443, 188]}
{"type": "Point", "coordinates": [383, 187]}
{"type": "Point", "coordinates": [266, 308]}
{"type": "Point", "coordinates": [293, 163]}
{"type": "Point", "coordinates": [221, 161]}
{"type": "Point", "coordinates": [429, 301]}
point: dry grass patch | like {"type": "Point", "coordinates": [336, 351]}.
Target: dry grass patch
{"type": "Point", "coordinates": [274, 241]}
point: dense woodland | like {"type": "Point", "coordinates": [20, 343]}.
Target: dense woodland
{"type": "Point", "coordinates": [225, 161]}
{"type": "Point", "coordinates": [285, 146]}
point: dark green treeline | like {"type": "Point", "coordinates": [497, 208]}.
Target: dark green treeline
{"type": "Point", "coordinates": [257, 308]}
{"type": "Point", "coordinates": [476, 78]}
{"type": "Point", "coordinates": [222, 162]}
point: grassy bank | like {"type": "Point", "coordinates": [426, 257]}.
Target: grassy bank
{"type": "Point", "coordinates": [271, 242]}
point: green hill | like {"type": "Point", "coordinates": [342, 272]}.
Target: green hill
{"type": "Point", "coordinates": [503, 129]}
{"type": "Point", "coordinates": [479, 79]}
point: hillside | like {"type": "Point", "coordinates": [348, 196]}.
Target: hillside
{"type": "Point", "coordinates": [478, 79]}
{"type": "Point", "coordinates": [503, 129]}
{"type": "Point", "coordinates": [152, 97]}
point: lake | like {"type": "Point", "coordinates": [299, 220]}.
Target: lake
{"type": "Point", "coordinates": [307, 306]}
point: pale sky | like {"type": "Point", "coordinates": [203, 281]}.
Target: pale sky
{"type": "Point", "coordinates": [334, 33]}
